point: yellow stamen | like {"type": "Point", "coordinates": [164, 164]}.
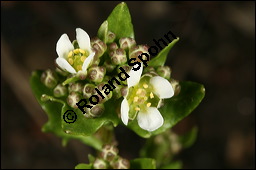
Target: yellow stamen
{"type": "Point", "coordinates": [145, 85]}
{"type": "Point", "coordinates": [137, 108]}
{"type": "Point", "coordinates": [70, 60]}
{"type": "Point", "coordinates": [79, 67]}
{"type": "Point", "coordinates": [76, 51]}
{"type": "Point", "coordinates": [148, 104]}
{"type": "Point", "coordinates": [82, 58]}
{"type": "Point", "coordinates": [81, 51]}
{"type": "Point", "coordinates": [139, 91]}
{"type": "Point", "coordinates": [70, 54]}
{"type": "Point", "coordinates": [151, 95]}
{"type": "Point", "coordinates": [136, 98]}
{"type": "Point", "coordinates": [145, 98]}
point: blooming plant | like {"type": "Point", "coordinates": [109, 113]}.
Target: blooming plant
{"type": "Point", "coordinates": [149, 102]}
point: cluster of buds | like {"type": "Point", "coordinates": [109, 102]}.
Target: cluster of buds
{"type": "Point", "coordinates": [109, 158]}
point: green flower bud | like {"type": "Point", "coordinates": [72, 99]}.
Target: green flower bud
{"type": "Point", "coordinates": [88, 90]}
{"type": "Point", "coordinates": [117, 91]}
{"type": "Point", "coordinates": [127, 69]}
{"type": "Point", "coordinates": [96, 73]}
{"type": "Point", "coordinates": [75, 87]}
{"type": "Point", "coordinates": [81, 75]}
{"type": "Point", "coordinates": [103, 93]}
{"type": "Point", "coordinates": [60, 91]}
{"type": "Point", "coordinates": [164, 71]}
{"type": "Point", "coordinates": [49, 78]}
{"type": "Point", "coordinates": [138, 50]}
{"type": "Point", "coordinates": [148, 69]}
{"type": "Point", "coordinates": [127, 43]}
{"type": "Point", "coordinates": [99, 47]}
{"type": "Point", "coordinates": [109, 153]}
{"type": "Point", "coordinates": [120, 163]}
{"type": "Point", "coordinates": [111, 37]}
{"type": "Point", "coordinates": [176, 86]}
{"type": "Point", "coordinates": [113, 46]}
{"type": "Point", "coordinates": [61, 72]}
{"type": "Point", "coordinates": [109, 66]}
{"type": "Point", "coordinates": [100, 164]}
{"type": "Point", "coordinates": [73, 98]}
{"type": "Point", "coordinates": [118, 56]}
{"type": "Point", "coordinates": [124, 91]}
{"type": "Point", "coordinates": [96, 111]}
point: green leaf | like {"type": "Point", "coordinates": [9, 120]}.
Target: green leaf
{"type": "Point", "coordinates": [189, 138]}
{"type": "Point", "coordinates": [84, 166]}
{"type": "Point", "coordinates": [120, 22]}
{"type": "Point", "coordinates": [143, 163]}
{"type": "Point", "coordinates": [88, 126]}
{"type": "Point", "coordinates": [160, 59]}
{"type": "Point", "coordinates": [173, 165]}
{"type": "Point", "coordinates": [53, 109]}
{"type": "Point", "coordinates": [175, 108]}
{"type": "Point", "coordinates": [103, 31]}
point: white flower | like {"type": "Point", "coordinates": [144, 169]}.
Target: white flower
{"type": "Point", "coordinates": [143, 98]}
{"type": "Point", "coordinates": [71, 59]}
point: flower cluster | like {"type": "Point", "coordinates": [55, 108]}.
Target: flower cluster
{"type": "Point", "coordinates": [85, 65]}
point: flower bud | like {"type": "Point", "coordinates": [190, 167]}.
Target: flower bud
{"type": "Point", "coordinates": [138, 50]}
{"type": "Point", "coordinates": [81, 75]}
{"type": "Point", "coordinates": [127, 43]}
{"type": "Point", "coordinates": [113, 46]}
{"type": "Point", "coordinates": [61, 72]}
{"type": "Point", "coordinates": [124, 91]}
{"type": "Point", "coordinates": [88, 90]}
{"type": "Point", "coordinates": [49, 78]}
{"type": "Point", "coordinates": [109, 66]}
{"type": "Point", "coordinates": [99, 47]}
{"type": "Point", "coordinates": [121, 163]}
{"type": "Point", "coordinates": [127, 69]}
{"type": "Point", "coordinates": [96, 73]}
{"type": "Point", "coordinates": [99, 164]}
{"type": "Point", "coordinates": [96, 111]}
{"type": "Point", "coordinates": [73, 98]}
{"type": "Point", "coordinates": [75, 87]}
{"type": "Point", "coordinates": [164, 71]}
{"type": "Point", "coordinates": [110, 37]}
{"type": "Point", "coordinates": [60, 91]}
{"type": "Point", "coordinates": [176, 86]}
{"type": "Point", "coordinates": [101, 92]}
{"type": "Point", "coordinates": [117, 91]}
{"type": "Point", "coordinates": [118, 56]}
{"type": "Point", "coordinates": [109, 152]}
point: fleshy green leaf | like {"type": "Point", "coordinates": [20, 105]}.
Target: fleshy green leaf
{"type": "Point", "coordinates": [189, 138]}
{"type": "Point", "coordinates": [160, 59]}
{"type": "Point", "coordinates": [103, 31]}
{"type": "Point", "coordinates": [120, 22]}
{"type": "Point", "coordinates": [54, 108]}
{"type": "Point", "coordinates": [143, 163]}
{"type": "Point", "coordinates": [173, 165]}
{"type": "Point", "coordinates": [84, 166]}
{"type": "Point", "coordinates": [175, 108]}
{"type": "Point", "coordinates": [88, 126]}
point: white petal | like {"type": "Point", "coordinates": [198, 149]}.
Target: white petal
{"type": "Point", "coordinates": [125, 111]}
{"type": "Point", "coordinates": [162, 87]}
{"type": "Point", "coordinates": [83, 39]}
{"type": "Point", "coordinates": [88, 61]}
{"type": "Point", "coordinates": [134, 76]}
{"type": "Point", "coordinates": [151, 120]}
{"type": "Point", "coordinates": [64, 46]}
{"type": "Point", "coordinates": [65, 65]}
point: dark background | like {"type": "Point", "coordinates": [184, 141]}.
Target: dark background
{"type": "Point", "coordinates": [216, 48]}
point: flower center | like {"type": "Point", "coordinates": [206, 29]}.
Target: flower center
{"type": "Point", "coordinates": [141, 97]}
{"type": "Point", "coordinates": [76, 58]}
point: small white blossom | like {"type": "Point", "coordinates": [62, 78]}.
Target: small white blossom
{"type": "Point", "coordinates": [143, 98]}
{"type": "Point", "coordinates": [71, 59]}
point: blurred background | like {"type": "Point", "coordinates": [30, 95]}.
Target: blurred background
{"type": "Point", "coordinates": [216, 48]}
